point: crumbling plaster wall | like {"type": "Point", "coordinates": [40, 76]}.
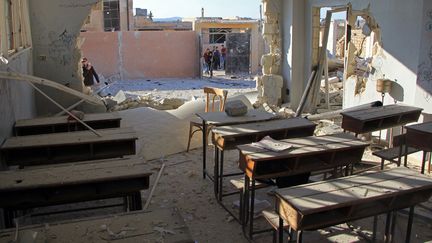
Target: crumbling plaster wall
{"type": "Point", "coordinates": [16, 97]}
{"type": "Point", "coordinates": [55, 26]}
{"type": "Point", "coordinates": [399, 22]}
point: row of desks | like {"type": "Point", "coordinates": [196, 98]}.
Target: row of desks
{"type": "Point", "coordinates": [309, 154]}
{"type": "Point", "coordinates": [73, 182]}
{"type": "Point", "coordinates": [65, 182]}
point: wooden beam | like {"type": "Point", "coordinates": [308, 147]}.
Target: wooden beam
{"type": "Point", "coordinates": [37, 80]}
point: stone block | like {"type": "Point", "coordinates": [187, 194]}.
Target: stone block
{"type": "Point", "coordinates": [270, 6]}
{"type": "Point", "coordinates": [235, 108]}
{"type": "Point", "coordinates": [270, 29]}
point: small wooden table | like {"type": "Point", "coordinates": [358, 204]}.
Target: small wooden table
{"type": "Point", "coordinates": [308, 154]}
{"type": "Point", "coordinates": [68, 183]}
{"type": "Point", "coordinates": [420, 136]}
{"type": "Point", "coordinates": [379, 118]}
{"type": "Point", "coordinates": [62, 124]}
{"type": "Point", "coordinates": [138, 226]}
{"type": "Point", "coordinates": [221, 118]}
{"type": "Point", "coordinates": [68, 147]}
{"type": "Point", "coordinates": [228, 137]}
{"type": "Point", "coordinates": [323, 204]}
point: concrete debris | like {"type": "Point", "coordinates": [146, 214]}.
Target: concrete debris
{"type": "Point", "coordinates": [149, 101]}
{"type": "Point", "coordinates": [119, 97]}
{"type": "Point", "coordinates": [235, 108]}
{"type": "Point", "coordinates": [327, 127]}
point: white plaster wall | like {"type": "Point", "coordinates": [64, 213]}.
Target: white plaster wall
{"type": "Point", "coordinates": [399, 23]}
{"type": "Point", "coordinates": [55, 26]}
{"type": "Point", "coordinates": [293, 44]}
{"type": "Point", "coordinates": [16, 97]}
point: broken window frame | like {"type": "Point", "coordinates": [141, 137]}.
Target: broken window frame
{"type": "Point", "coordinates": [218, 35]}
{"type": "Point", "coordinates": [15, 31]}
{"type": "Point", "coordinates": [107, 9]}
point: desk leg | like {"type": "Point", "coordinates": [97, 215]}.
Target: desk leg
{"type": "Point", "coordinates": [280, 230]}
{"type": "Point", "coordinates": [409, 226]}
{"type": "Point", "coordinates": [387, 228]}
{"type": "Point", "coordinates": [375, 226]}
{"type": "Point", "coordinates": [216, 172]}
{"type": "Point", "coordinates": [406, 156]}
{"type": "Point", "coordinates": [220, 186]}
{"type": "Point", "coordinates": [245, 209]}
{"type": "Point", "coordinates": [424, 162]}
{"type": "Point", "coordinates": [393, 226]}
{"type": "Point", "coordinates": [252, 205]}
{"type": "Point", "coordinates": [299, 236]}
{"type": "Point", "coordinates": [204, 135]}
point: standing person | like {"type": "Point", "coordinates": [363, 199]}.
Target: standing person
{"type": "Point", "coordinates": [88, 73]}
{"type": "Point", "coordinates": [223, 56]}
{"type": "Point", "coordinates": [210, 62]}
{"type": "Point", "coordinates": [206, 57]}
{"type": "Point", "coordinates": [216, 56]}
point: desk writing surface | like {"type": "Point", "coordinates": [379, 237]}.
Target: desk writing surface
{"type": "Point", "coordinates": [63, 119]}
{"type": "Point", "coordinates": [137, 226]}
{"type": "Point", "coordinates": [420, 136]}
{"type": "Point", "coordinates": [220, 117]}
{"type": "Point", "coordinates": [257, 127]}
{"type": "Point", "coordinates": [79, 137]}
{"type": "Point", "coordinates": [355, 189]}
{"type": "Point", "coordinates": [422, 127]}
{"type": "Point", "coordinates": [380, 112]}
{"type": "Point", "coordinates": [307, 145]}
{"type": "Point", "coordinates": [70, 174]}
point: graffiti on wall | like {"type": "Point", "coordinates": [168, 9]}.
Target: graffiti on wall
{"type": "Point", "coordinates": [60, 47]}
{"type": "Point", "coordinates": [424, 74]}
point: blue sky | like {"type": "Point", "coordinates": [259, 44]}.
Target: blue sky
{"type": "Point", "coordinates": [192, 8]}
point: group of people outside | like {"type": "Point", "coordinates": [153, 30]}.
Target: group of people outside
{"type": "Point", "coordinates": [214, 59]}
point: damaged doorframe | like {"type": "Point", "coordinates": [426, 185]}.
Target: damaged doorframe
{"type": "Point", "coordinates": [316, 75]}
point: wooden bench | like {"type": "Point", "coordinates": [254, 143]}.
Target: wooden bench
{"type": "Point", "coordinates": [75, 182]}
{"type": "Point", "coordinates": [164, 225]}
{"type": "Point", "coordinates": [396, 152]}
{"type": "Point", "coordinates": [62, 124]}
{"type": "Point", "coordinates": [68, 147]}
{"type": "Point", "coordinates": [323, 204]}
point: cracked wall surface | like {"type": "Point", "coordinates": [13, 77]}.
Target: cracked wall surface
{"type": "Point", "coordinates": [55, 26]}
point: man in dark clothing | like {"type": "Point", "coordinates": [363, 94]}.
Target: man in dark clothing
{"type": "Point", "coordinates": [209, 61]}
{"type": "Point", "coordinates": [216, 56]}
{"type": "Point", "coordinates": [223, 56]}
{"type": "Point", "coordinates": [88, 73]}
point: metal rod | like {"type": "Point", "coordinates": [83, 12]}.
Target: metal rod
{"type": "Point", "coordinates": [61, 107]}
{"type": "Point", "coordinates": [154, 187]}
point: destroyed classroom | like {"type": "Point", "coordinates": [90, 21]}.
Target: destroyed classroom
{"type": "Point", "coordinates": [315, 127]}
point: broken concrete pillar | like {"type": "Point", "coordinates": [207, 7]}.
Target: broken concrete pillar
{"type": "Point", "coordinates": [270, 84]}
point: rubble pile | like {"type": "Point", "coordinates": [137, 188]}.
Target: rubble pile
{"type": "Point", "coordinates": [114, 104]}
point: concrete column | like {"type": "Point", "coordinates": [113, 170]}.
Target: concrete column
{"type": "Point", "coordinates": [294, 48]}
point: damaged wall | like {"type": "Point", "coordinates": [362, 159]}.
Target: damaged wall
{"type": "Point", "coordinates": [55, 26]}
{"type": "Point", "coordinates": [148, 54]}
{"type": "Point", "coordinates": [16, 97]}
{"type": "Point", "coordinates": [402, 26]}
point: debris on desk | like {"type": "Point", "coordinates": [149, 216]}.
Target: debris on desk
{"type": "Point", "coordinates": [273, 145]}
